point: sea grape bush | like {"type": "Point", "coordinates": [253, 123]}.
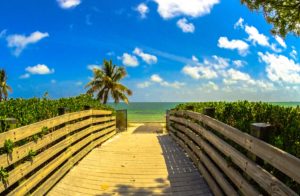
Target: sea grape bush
{"type": "Point", "coordinates": [286, 120]}
{"type": "Point", "coordinates": [28, 111]}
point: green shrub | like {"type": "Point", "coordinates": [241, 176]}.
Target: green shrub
{"type": "Point", "coordinates": [28, 111]}
{"type": "Point", "coordinates": [286, 120]}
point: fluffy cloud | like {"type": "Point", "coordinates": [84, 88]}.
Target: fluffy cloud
{"type": "Point", "coordinates": [143, 10]}
{"type": "Point", "coordinates": [279, 68]}
{"type": "Point", "coordinates": [92, 67]}
{"type": "Point", "coordinates": [67, 4]}
{"type": "Point", "coordinates": [19, 42]}
{"type": "Point", "coordinates": [210, 86]}
{"type": "Point", "coordinates": [239, 45]}
{"type": "Point", "coordinates": [280, 41]}
{"type": "Point", "coordinates": [195, 59]}
{"type": "Point", "coordinates": [185, 26]}
{"type": "Point", "coordinates": [239, 23]}
{"type": "Point", "coordinates": [219, 62]}
{"type": "Point", "coordinates": [129, 60]}
{"type": "Point", "coordinates": [294, 54]}
{"type": "Point", "coordinates": [157, 79]}
{"type": "Point", "coordinates": [239, 63]}
{"type": "Point", "coordinates": [194, 8]}
{"type": "Point", "coordinates": [25, 76]}
{"type": "Point", "coordinates": [39, 69]}
{"type": "Point", "coordinates": [256, 37]}
{"type": "Point", "coordinates": [148, 58]}
{"type": "Point", "coordinates": [199, 72]}
{"type": "Point", "coordinates": [144, 84]}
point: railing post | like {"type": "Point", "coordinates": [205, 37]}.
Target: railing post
{"type": "Point", "coordinates": [8, 124]}
{"type": "Point", "coordinates": [62, 111]}
{"type": "Point", "coordinates": [262, 132]}
{"type": "Point", "coordinates": [209, 111]}
{"type": "Point", "coordinates": [86, 107]}
{"type": "Point", "coordinates": [167, 120]}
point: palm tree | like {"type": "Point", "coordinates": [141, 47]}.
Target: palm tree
{"type": "Point", "coordinates": [106, 82]}
{"type": "Point", "coordinates": [4, 88]}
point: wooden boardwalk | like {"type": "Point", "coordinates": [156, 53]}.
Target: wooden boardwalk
{"type": "Point", "coordinates": [137, 162]}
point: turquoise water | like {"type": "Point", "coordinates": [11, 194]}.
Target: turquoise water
{"type": "Point", "coordinates": [155, 111]}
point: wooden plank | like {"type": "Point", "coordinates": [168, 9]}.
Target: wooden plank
{"type": "Point", "coordinates": [283, 161]}
{"type": "Point", "coordinates": [101, 112]}
{"type": "Point", "coordinates": [209, 179]}
{"type": "Point", "coordinates": [234, 175]}
{"type": "Point", "coordinates": [23, 169]}
{"type": "Point", "coordinates": [53, 179]}
{"type": "Point", "coordinates": [29, 130]}
{"type": "Point", "coordinates": [215, 172]}
{"type": "Point", "coordinates": [267, 181]}
{"type": "Point", "coordinates": [33, 180]}
{"type": "Point", "coordinates": [22, 151]}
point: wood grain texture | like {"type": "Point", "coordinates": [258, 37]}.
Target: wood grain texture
{"type": "Point", "coordinates": [283, 161]}
{"type": "Point", "coordinates": [134, 164]}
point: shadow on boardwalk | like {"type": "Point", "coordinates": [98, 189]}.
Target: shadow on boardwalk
{"type": "Point", "coordinates": [135, 164]}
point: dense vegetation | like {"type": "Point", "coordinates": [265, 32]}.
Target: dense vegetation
{"type": "Point", "coordinates": [286, 120]}
{"type": "Point", "coordinates": [285, 134]}
{"type": "Point", "coordinates": [28, 111]}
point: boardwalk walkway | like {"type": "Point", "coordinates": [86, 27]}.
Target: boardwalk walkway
{"type": "Point", "coordinates": [137, 162]}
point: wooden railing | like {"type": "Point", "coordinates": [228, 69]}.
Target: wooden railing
{"type": "Point", "coordinates": [45, 151]}
{"type": "Point", "coordinates": [228, 170]}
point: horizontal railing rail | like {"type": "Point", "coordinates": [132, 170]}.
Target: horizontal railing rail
{"type": "Point", "coordinates": [43, 152]}
{"type": "Point", "coordinates": [226, 168]}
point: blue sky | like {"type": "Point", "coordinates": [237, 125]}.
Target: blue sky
{"type": "Point", "coordinates": [173, 51]}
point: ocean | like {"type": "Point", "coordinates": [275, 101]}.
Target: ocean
{"type": "Point", "coordinates": [156, 111]}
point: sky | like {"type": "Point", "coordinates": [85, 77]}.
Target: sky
{"type": "Point", "coordinates": [173, 51]}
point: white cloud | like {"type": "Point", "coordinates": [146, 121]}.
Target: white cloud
{"type": "Point", "coordinates": [199, 72]}
{"type": "Point", "coordinates": [194, 8]}
{"type": "Point", "coordinates": [210, 86]}
{"type": "Point", "coordinates": [279, 68]}
{"type": "Point", "coordinates": [25, 76]}
{"type": "Point", "coordinates": [148, 58]}
{"type": "Point", "coordinates": [144, 84]}
{"type": "Point", "coordinates": [20, 42]}
{"type": "Point", "coordinates": [67, 4]}
{"type": "Point", "coordinates": [93, 66]}
{"type": "Point", "coordinates": [129, 60]}
{"type": "Point", "coordinates": [236, 75]}
{"type": "Point", "coordinates": [239, 45]}
{"type": "Point", "coordinates": [195, 59]}
{"type": "Point", "coordinates": [294, 54]}
{"type": "Point", "coordinates": [143, 10]}
{"type": "Point", "coordinates": [157, 79]}
{"type": "Point", "coordinates": [239, 23]}
{"type": "Point", "coordinates": [256, 37]}
{"type": "Point", "coordinates": [239, 63]}
{"type": "Point", "coordinates": [79, 83]}
{"type": "Point", "coordinates": [280, 41]}
{"type": "Point", "coordinates": [219, 62]}
{"type": "Point", "coordinates": [185, 26]}
{"type": "Point", "coordinates": [39, 69]}
{"type": "Point", "coordinates": [3, 33]}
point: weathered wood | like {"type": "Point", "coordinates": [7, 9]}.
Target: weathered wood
{"type": "Point", "coordinates": [215, 172]}
{"type": "Point", "coordinates": [267, 181]}
{"type": "Point", "coordinates": [50, 182]}
{"type": "Point", "coordinates": [283, 161]}
{"type": "Point", "coordinates": [234, 175]}
{"type": "Point", "coordinates": [23, 169]}
{"type": "Point", "coordinates": [209, 179]}
{"type": "Point", "coordinates": [29, 183]}
{"type": "Point", "coordinates": [22, 151]}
